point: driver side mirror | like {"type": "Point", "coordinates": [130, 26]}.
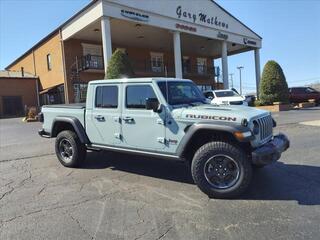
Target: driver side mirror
{"type": "Point", "coordinates": [210, 97]}
{"type": "Point", "coordinates": [153, 104]}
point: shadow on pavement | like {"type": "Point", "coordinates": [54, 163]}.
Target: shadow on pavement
{"type": "Point", "coordinates": [308, 109]}
{"type": "Point", "coordinates": [281, 181]}
{"type": "Point", "coordinates": [276, 182]}
{"type": "Point", "coordinates": [152, 167]}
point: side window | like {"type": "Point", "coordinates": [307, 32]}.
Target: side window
{"type": "Point", "coordinates": [107, 97]}
{"type": "Point", "coordinates": [136, 96]}
{"type": "Point", "coordinates": [310, 90]}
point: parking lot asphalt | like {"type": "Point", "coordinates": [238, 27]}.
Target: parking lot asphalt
{"type": "Point", "coordinates": [118, 196]}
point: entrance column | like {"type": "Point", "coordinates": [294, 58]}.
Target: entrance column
{"type": "Point", "coordinates": [224, 63]}
{"type": "Point", "coordinates": [177, 54]}
{"type": "Point", "coordinates": [257, 66]}
{"type": "Point", "coordinates": [106, 40]}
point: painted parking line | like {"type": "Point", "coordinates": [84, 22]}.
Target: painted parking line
{"type": "Point", "coordinates": [315, 123]}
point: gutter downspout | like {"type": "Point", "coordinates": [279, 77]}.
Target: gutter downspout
{"type": "Point", "coordinates": [37, 80]}
{"type": "Point", "coordinates": [66, 90]}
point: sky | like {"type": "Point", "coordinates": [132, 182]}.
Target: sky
{"type": "Point", "coordinates": [290, 30]}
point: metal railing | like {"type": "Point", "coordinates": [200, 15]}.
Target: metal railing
{"type": "Point", "coordinates": [91, 62]}
{"type": "Point", "coordinates": [147, 66]}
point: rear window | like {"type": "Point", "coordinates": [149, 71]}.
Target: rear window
{"type": "Point", "coordinates": [226, 94]}
{"type": "Point", "coordinates": [107, 97]}
{"type": "Point", "coordinates": [298, 90]}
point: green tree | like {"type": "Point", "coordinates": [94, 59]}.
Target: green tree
{"type": "Point", "coordinates": [273, 85]}
{"type": "Point", "coordinates": [119, 66]}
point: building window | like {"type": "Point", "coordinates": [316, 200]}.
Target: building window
{"type": "Point", "coordinates": [49, 66]}
{"type": "Point", "coordinates": [205, 87]}
{"type": "Point", "coordinates": [53, 95]}
{"type": "Point", "coordinates": [202, 66]}
{"type": "Point", "coordinates": [92, 56]}
{"type": "Point", "coordinates": [156, 62]}
{"type": "Point", "coordinates": [91, 49]}
{"type": "Point", "coordinates": [80, 92]}
{"type": "Point", "coordinates": [186, 64]}
{"type": "Point", "coordinates": [136, 96]}
{"type": "Point", "coordinates": [107, 97]}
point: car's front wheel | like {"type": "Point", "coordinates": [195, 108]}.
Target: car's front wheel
{"type": "Point", "coordinates": [221, 170]}
{"type": "Point", "coordinates": [69, 149]}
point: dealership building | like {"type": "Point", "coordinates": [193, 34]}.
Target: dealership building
{"type": "Point", "coordinates": [176, 38]}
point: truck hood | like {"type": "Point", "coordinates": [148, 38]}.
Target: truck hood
{"type": "Point", "coordinates": [227, 99]}
{"type": "Point", "coordinates": [224, 113]}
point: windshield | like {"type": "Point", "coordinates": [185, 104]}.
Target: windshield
{"type": "Point", "coordinates": [181, 92]}
{"type": "Point", "coordinates": [228, 93]}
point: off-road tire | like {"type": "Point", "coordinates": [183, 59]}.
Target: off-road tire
{"type": "Point", "coordinates": [257, 167]}
{"type": "Point", "coordinates": [211, 149]}
{"type": "Point", "coordinates": [79, 151]}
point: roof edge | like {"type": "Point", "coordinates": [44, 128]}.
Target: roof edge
{"type": "Point", "coordinates": [55, 31]}
{"type": "Point", "coordinates": [236, 19]}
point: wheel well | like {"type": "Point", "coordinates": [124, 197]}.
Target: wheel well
{"type": "Point", "coordinates": [61, 126]}
{"type": "Point", "coordinates": [204, 136]}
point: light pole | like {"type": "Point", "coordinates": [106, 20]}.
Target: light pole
{"type": "Point", "coordinates": [240, 67]}
{"type": "Point", "coordinates": [231, 78]}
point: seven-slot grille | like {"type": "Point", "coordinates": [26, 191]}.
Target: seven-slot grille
{"type": "Point", "coordinates": [266, 125]}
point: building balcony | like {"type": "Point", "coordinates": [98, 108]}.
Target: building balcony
{"type": "Point", "coordinates": [94, 63]}
{"type": "Point", "coordinates": [161, 69]}
{"type": "Point", "coordinates": [91, 63]}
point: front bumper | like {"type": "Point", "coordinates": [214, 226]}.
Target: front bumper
{"type": "Point", "coordinates": [271, 151]}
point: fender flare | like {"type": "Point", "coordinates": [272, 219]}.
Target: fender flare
{"type": "Point", "coordinates": [219, 127]}
{"type": "Point", "coordinates": [76, 124]}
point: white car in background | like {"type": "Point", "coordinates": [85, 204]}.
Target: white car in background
{"type": "Point", "coordinates": [225, 97]}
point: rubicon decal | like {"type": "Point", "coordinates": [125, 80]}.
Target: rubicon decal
{"type": "Point", "coordinates": [211, 117]}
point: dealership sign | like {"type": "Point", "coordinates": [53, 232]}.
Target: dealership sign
{"type": "Point", "coordinates": [185, 27]}
{"type": "Point", "coordinates": [135, 15]}
{"type": "Point", "coordinates": [247, 41]}
{"type": "Point", "coordinates": [200, 17]}
{"type": "Point", "coordinates": [222, 35]}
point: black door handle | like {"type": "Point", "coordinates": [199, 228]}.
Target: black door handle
{"type": "Point", "coordinates": [128, 119]}
{"type": "Point", "coordinates": [99, 118]}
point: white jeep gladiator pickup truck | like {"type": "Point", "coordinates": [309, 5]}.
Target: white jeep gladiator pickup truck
{"type": "Point", "coordinates": [167, 118]}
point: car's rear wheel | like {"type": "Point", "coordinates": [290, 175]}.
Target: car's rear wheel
{"type": "Point", "coordinates": [69, 150]}
{"type": "Point", "coordinates": [221, 170]}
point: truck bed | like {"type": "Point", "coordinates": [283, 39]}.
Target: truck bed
{"type": "Point", "coordinates": [51, 112]}
{"type": "Point", "coordinates": [74, 106]}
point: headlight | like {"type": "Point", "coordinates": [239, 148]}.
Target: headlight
{"type": "Point", "coordinates": [256, 128]}
{"type": "Point", "coordinates": [244, 122]}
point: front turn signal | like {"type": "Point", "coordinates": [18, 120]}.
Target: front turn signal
{"type": "Point", "coordinates": [242, 135]}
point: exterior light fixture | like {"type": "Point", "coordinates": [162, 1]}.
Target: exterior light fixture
{"type": "Point", "coordinates": [140, 37]}
{"type": "Point", "coordinates": [202, 47]}
{"type": "Point", "coordinates": [138, 25]}
{"type": "Point", "coordinates": [96, 30]}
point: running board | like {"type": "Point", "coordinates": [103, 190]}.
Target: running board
{"type": "Point", "coordinates": [95, 147]}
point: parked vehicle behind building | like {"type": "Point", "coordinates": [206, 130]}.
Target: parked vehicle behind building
{"type": "Point", "coordinates": [167, 118]}
{"type": "Point", "coordinates": [225, 97]}
{"type": "Point", "coordinates": [303, 94]}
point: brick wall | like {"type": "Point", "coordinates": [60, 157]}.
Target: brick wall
{"type": "Point", "coordinates": [23, 87]}
{"type": "Point", "coordinates": [36, 63]}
